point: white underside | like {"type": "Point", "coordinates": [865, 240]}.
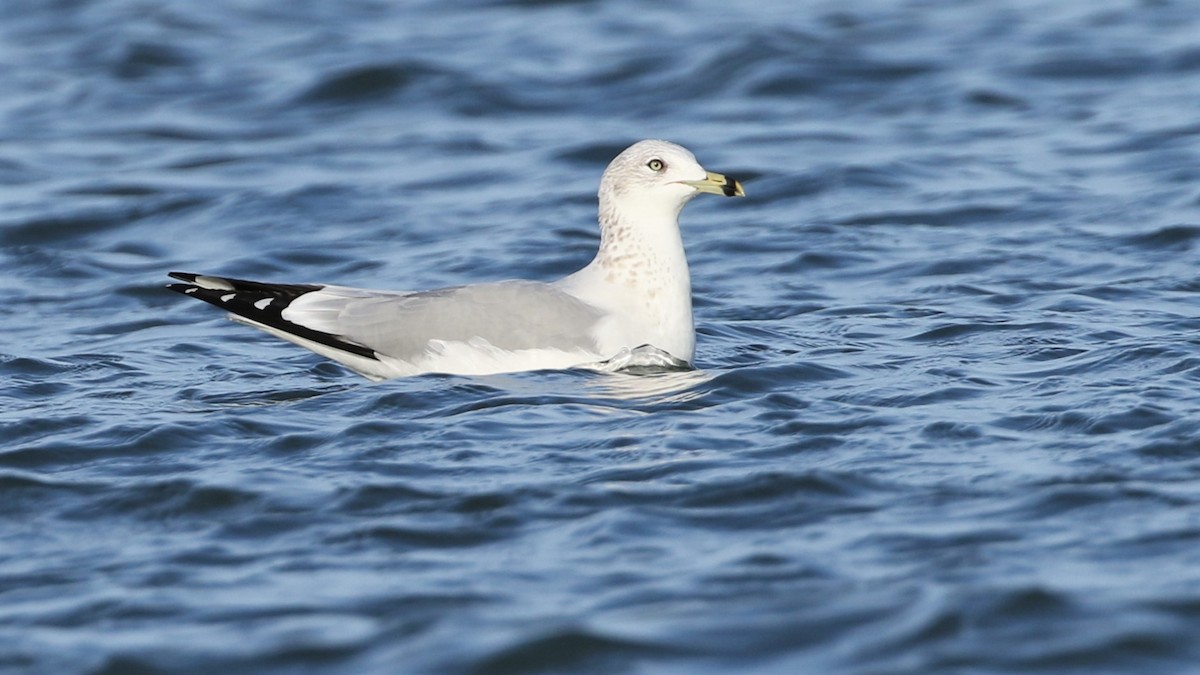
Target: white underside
{"type": "Point", "coordinates": [476, 357]}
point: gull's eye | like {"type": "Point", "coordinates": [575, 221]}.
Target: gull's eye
{"type": "Point", "coordinates": [656, 165]}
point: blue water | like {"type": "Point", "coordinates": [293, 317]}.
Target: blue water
{"type": "Point", "coordinates": [946, 410]}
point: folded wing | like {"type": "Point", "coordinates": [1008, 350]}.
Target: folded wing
{"type": "Point", "coordinates": [374, 325]}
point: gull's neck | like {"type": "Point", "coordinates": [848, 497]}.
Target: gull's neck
{"type": "Point", "coordinates": [641, 273]}
{"type": "Point", "coordinates": [639, 237]}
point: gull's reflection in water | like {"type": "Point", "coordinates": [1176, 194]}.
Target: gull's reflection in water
{"type": "Point", "coordinates": [652, 385]}
{"type": "Point", "coordinates": [648, 374]}
{"type": "Point", "coordinates": [632, 379]}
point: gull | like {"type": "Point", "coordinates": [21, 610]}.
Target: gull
{"type": "Point", "coordinates": [636, 293]}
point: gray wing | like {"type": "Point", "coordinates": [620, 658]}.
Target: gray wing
{"type": "Point", "coordinates": [509, 315]}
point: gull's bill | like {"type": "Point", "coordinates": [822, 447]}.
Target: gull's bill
{"type": "Point", "coordinates": [717, 184]}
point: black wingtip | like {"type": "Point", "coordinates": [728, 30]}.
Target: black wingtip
{"type": "Point", "coordinates": [241, 297]}
{"type": "Point", "coordinates": [186, 289]}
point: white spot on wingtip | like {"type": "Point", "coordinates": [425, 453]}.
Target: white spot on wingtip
{"type": "Point", "coordinates": [213, 283]}
{"type": "Point", "coordinates": [262, 304]}
{"type": "Point", "coordinates": [191, 289]}
{"type": "Point", "coordinates": [228, 296]}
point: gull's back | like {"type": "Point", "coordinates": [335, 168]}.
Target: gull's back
{"type": "Point", "coordinates": [400, 326]}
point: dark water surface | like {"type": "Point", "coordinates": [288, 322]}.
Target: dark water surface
{"type": "Point", "coordinates": [945, 416]}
